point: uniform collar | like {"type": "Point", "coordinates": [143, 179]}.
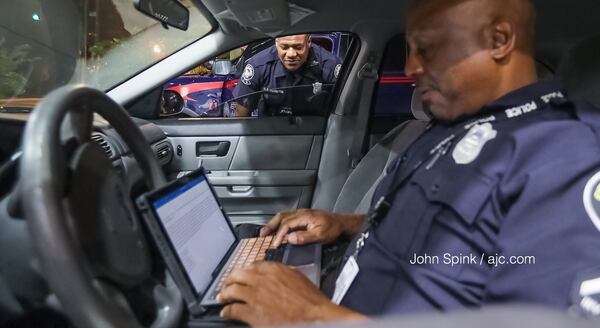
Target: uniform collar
{"type": "Point", "coordinates": [279, 69]}
{"type": "Point", "coordinates": [515, 98]}
{"type": "Point", "coordinates": [524, 95]}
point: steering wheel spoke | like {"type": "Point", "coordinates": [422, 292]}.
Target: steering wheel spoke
{"type": "Point", "coordinates": [77, 124]}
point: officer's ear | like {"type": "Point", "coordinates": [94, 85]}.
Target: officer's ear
{"type": "Point", "coordinates": [503, 40]}
{"type": "Point", "coordinates": [308, 40]}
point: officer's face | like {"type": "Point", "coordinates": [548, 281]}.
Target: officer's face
{"type": "Point", "coordinates": [293, 51]}
{"type": "Point", "coordinates": [447, 57]}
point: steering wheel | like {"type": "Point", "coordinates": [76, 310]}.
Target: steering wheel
{"type": "Point", "coordinates": [81, 218]}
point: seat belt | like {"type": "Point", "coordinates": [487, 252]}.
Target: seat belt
{"type": "Point", "coordinates": [368, 75]}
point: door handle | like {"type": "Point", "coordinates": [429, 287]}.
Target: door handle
{"type": "Point", "coordinates": [240, 189]}
{"type": "Point", "coordinates": [212, 148]}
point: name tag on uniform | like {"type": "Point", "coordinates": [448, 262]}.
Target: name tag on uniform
{"type": "Point", "coordinates": [345, 279]}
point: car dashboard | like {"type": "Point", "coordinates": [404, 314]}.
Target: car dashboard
{"type": "Point", "coordinates": [12, 126]}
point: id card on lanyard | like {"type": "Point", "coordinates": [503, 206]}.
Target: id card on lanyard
{"type": "Point", "coordinates": [351, 268]}
{"type": "Point", "coordinates": [345, 280]}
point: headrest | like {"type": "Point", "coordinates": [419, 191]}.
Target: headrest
{"type": "Point", "coordinates": [579, 70]}
{"type": "Point", "coordinates": [416, 107]}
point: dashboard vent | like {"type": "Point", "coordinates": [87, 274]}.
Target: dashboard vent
{"type": "Point", "coordinates": [163, 152]}
{"type": "Point", "coordinates": [100, 139]}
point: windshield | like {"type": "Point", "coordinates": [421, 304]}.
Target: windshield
{"type": "Point", "coordinates": [101, 43]}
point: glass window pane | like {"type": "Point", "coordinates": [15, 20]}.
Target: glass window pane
{"type": "Point", "coordinates": [288, 76]}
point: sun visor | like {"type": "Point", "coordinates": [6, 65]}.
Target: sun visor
{"type": "Point", "coordinates": [270, 17]}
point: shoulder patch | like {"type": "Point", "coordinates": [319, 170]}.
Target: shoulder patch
{"type": "Point", "coordinates": [248, 74]}
{"type": "Point", "coordinates": [469, 148]}
{"type": "Point", "coordinates": [336, 70]}
{"type": "Point", "coordinates": [591, 199]}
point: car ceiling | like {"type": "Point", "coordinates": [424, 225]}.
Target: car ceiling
{"type": "Point", "coordinates": [560, 22]}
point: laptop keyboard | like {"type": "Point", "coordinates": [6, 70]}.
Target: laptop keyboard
{"type": "Point", "coordinates": [250, 251]}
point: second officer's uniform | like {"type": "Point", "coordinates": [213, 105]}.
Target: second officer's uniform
{"type": "Point", "coordinates": [501, 206]}
{"type": "Point", "coordinates": [273, 90]}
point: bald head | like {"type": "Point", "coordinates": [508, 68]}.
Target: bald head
{"type": "Point", "coordinates": [467, 53]}
{"type": "Point", "coordinates": [521, 13]}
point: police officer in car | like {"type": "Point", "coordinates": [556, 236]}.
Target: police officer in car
{"type": "Point", "coordinates": [290, 78]}
{"type": "Point", "coordinates": [498, 201]}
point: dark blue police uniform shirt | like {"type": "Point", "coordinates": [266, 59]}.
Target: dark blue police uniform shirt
{"type": "Point", "coordinates": [265, 71]}
{"type": "Point", "coordinates": [532, 190]}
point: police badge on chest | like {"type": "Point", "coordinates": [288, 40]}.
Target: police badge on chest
{"type": "Point", "coordinates": [469, 148]}
{"type": "Point", "coordinates": [317, 88]}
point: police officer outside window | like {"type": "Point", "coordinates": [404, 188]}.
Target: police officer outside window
{"type": "Point", "coordinates": [290, 78]}
{"type": "Point", "coordinates": [496, 181]}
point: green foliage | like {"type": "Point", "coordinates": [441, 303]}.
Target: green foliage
{"type": "Point", "coordinates": [100, 48]}
{"type": "Point", "coordinates": [12, 81]}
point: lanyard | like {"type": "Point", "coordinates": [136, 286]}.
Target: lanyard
{"type": "Point", "coordinates": [383, 204]}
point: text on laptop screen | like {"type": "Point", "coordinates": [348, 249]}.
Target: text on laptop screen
{"type": "Point", "coordinates": [197, 229]}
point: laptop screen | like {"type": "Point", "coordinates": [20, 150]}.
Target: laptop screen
{"type": "Point", "coordinates": [197, 229]}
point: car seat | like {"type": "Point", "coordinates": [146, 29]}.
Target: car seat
{"type": "Point", "coordinates": [356, 194]}
{"type": "Point", "coordinates": [579, 70]}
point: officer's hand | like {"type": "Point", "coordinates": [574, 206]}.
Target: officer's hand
{"type": "Point", "coordinates": [305, 226]}
{"type": "Point", "coordinates": [241, 111]}
{"type": "Point", "coordinates": [268, 293]}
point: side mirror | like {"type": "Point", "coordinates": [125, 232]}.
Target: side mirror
{"type": "Point", "coordinates": [222, 67]}
{"type": "Point", "coordinates": [168, 12]}
{"type": "Point", "coordinates": [172, 103]}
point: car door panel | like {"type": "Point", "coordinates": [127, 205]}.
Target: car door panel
{"type": "Point", "coordinates": [269, 153]}
{"type": "Point", "coordinates": [262, 202]}
{"type": "Point", "coordinates": [270, 164]}
{"type": "Point", "coordinates": [187, 158]}
{"type": "Point", "coordinates": [218, 127]}
{"type": "Point", "coordinates": [248, 153]}
{"type": "Point", "coordinates": [262, 177]}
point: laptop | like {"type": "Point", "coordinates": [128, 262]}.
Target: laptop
{"type": "Point", "coordinates": [198, 243]}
